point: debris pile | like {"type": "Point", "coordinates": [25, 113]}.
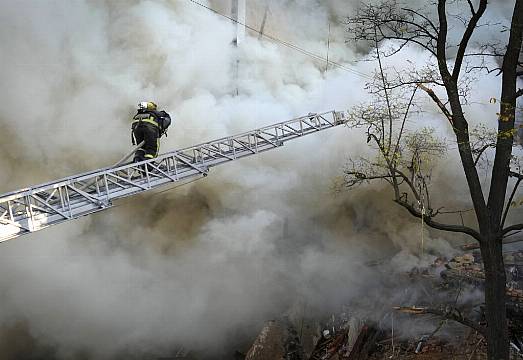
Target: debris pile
{"type": "Point", "coordinates": [344, 337]}
{"type": "Point", "coordinates": [277, 340]}
{"type": "Point", "coordinates": [426, 347]}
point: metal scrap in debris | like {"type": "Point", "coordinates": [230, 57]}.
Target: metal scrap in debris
{"type": "Point", "coordinates": [411, 309]}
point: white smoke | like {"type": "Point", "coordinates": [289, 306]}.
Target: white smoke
{"type": "Point", "coordinates": [194, 265]}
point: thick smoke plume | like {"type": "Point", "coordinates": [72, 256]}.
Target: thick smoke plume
{"type": "Point", "coordinates": [205, 264]}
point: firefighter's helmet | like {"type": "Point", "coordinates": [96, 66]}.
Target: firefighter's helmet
{"type": "Point", "coordinates": [147, 105]}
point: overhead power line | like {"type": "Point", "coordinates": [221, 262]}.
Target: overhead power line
{"type": "Point", "coordinates": [286, 43]}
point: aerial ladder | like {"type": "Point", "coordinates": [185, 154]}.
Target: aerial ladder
{"type": "Point", "coordinates": [31, 209]}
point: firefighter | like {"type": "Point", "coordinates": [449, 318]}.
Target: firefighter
{"type": "Point", "coordinates": [148, 125]}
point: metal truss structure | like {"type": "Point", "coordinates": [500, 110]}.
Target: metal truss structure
{"type": "Point", "coordinates": [35, 208]}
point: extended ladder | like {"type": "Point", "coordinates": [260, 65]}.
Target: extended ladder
{"type": "Point", "coordinates": [32, 209]}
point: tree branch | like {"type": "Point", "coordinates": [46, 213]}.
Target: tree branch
{"type": "Point", "coordinates": [481, 151]}
{"type": "Point", "coordinates": [412, 23]}
{"type": "Point", "coordinates": [439, 226]}
{"type": "Point", "coordinates": [471, 8]}
{"type": "Point", "coordinates": [466, 37]}
{"type": "Point", "coordinates": [409, 183]}
{"type": "Point", "coordinates": [438, 102]}
{"type": "Point", "coordinates": [515, 227]}
{"type": "Point", "coordinates": [386, 95]}
{"type": "Point", "coordinates": [516, 175]}
{"type": "Point", "coordinates": [474, 246]}
{"type": "Point", "coordinates": [424, 18]}
{"type": "Point", "coordinates": [442, 42]}
{"type": "Point", "coordinates": [396, 148]}
{"type": "Point", "coordinates": [446, 312]}
{"type": "Point", "coordinates": [409, 39]}
{"type": "Point", "coordinates": [410, 26]}
{"type": "Point", "coordinates": [364, 177]}
{"type": "Point", "coordinates": [520, 178]}
{"type": "Point", "coordinates": [414, 82]}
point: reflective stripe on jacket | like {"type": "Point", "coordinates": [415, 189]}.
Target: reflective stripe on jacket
{"type": "Point", "coordinates": [147, 120]}
{"type": "Point", "coordinates": [145, 117]}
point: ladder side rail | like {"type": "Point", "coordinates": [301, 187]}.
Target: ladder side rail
{"type": "Point", "coordinates": [250, 140]}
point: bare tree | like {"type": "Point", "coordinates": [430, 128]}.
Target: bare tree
{"type": "Point", "coordinates": [404, 158]}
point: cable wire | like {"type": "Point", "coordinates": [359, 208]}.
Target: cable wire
{"type": "Point", "coordinates": [287, 44]}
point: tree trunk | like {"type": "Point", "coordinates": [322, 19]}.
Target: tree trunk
{"type": "Point", "coordinates": [495, 293]}
{"type": "Point", "coordinates": [491, 246]}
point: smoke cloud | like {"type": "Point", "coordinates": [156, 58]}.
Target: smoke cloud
{"type": "Point", "coordinates": [203, 265]}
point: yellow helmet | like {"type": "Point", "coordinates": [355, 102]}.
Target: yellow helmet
{"type": "Point", "coordinates": [147, 105]}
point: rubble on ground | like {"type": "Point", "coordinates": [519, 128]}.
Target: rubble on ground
{"type": "Point", "coordinates": [345, 337]}
{"type": "Point", "coordinates": [277, 340]}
